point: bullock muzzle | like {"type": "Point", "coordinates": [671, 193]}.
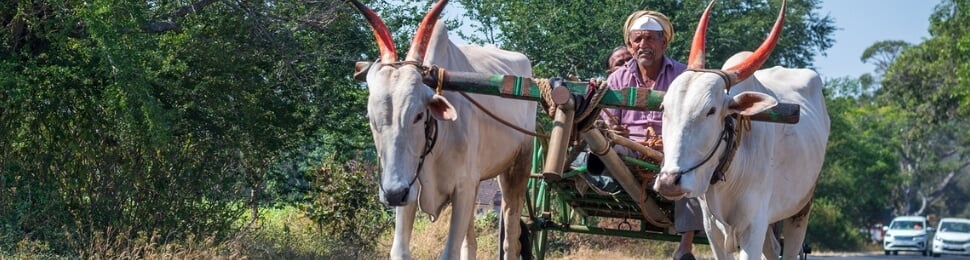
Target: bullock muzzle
{"type": "Point", "coordinates": [668, 185]}
{"type": "Point", "coordinates": [397, 197]}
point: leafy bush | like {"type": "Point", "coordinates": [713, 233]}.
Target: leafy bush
{"type": "Point", "coordinates": [829, 229]}
{"type": "Point", "coordinates": [344, 204]}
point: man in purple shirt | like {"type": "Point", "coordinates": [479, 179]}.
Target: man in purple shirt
{"type": "Point", "coordinates": [647, 34]}
{"type": "Point", "coordinates": [647, 40]}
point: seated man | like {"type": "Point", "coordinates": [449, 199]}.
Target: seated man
{"type": "Point", "coordinates": [647, 34]}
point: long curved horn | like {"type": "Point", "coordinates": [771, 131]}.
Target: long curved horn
{"type": "Point", "coordinates": [384, 40]}
{"type": "Point", "coordinates": [747, 67]}
{"type": "Point", "coordinates": [697, 52]}
{"type": "Point", "coordinates": [419, 45]}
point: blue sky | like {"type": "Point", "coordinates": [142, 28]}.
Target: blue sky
{"type": "Point", "coordinates": [864, 22]}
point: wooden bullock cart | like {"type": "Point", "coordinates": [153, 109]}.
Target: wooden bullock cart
{"type": "Point", "coordinates": [559, 198]}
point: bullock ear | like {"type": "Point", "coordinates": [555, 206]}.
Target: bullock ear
{"type": "Point", "coordinates": [441, 109]}
{"type": "Point", "coordinates": [360, 70]}
{"type": "Point", "coordinates": [750, 103]}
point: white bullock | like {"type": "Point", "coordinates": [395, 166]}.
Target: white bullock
{"type": "Point", "coordinates": [775, 167]}
{"type": "Point", "coordinates": [434, 148]}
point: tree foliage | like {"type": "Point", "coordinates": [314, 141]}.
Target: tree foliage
{"type": "Point", "coordinates": [166, 116]}
{"type": "Point", "coordinates": [927, 85]}
{"type": "Point", "coordinates": [575, 37]}
{"type": "Point", "coordinates": [883, 53]}
{"type": "Point", "coordinates": [899, 137]}
{"type": "Point", "coordinates": [858, 158]}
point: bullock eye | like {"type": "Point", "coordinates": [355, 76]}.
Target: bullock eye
{"type": "Point", "coordinates": [711, 112]}
{"type": "Point", "coordinates": [418, 118]}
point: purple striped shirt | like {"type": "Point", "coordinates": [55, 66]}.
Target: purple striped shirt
{"type": "Point", "coordinates": [629, 76]}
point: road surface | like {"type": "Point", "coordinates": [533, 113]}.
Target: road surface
{"type": "Point", "coordinates": [880, 255]}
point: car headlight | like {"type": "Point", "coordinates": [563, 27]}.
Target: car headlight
{"type": "Point", "coordinates": [888, 235]}
{"type": "Point", "coordinates": [919, 237]}
{"type": "Point", "coordinates": [937, 238]}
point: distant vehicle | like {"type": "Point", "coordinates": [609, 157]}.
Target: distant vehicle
{"type": "Point", "coordinates": [952, 237]}
{"type": "Point", "coordinates": [907, 233]}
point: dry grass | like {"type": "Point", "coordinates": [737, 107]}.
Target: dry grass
{"type": "Point", "coordinates": [280, 234]}
{"type": "Point", "coordinates": [287, 234]}
{"type": "Point", "coordinates": [607, 247]}
{"type": "Point", "coordinates": [428, 239]}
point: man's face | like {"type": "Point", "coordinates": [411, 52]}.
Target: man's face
{"type": "Point", "coordinates": [647, 47]}
{"type": "Point", "coordinates": [618, 58]}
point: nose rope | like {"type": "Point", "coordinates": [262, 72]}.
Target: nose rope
{"type": "Point", "coordinates": [430, 139]}
{"type": "Point", "coordinates": [730, 136]}
{"type": "Point", "coordinates": [709, 155]}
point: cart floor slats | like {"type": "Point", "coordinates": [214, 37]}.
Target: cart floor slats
{"type": "Point", "coordinates": [592, 204]}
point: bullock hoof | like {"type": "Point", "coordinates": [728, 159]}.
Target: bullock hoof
{"type": "Point", "coordinates": [687, 256]}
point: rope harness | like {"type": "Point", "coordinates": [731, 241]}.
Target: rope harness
{"type": "Point", "coordinates": [731, 135]}
{"type": "Point", "coordinates": [729, 79]}
{"type": "Point", "coordinates": [586, 105]}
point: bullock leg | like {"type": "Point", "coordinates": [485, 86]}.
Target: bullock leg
{"type": "Point", "coordinates": [463, 210]}
{"type": "Point", "coordinates": [514, 184]}
{"type": "Point", "coordinates": [772, 248]}
{"type": "Point", "coordinates": [716, 237]}
{"type": "Point", "coordinates": [470, 245]}
{"type": "Point", "coordinates": [753, 238]}
{"type": "Point", "coordinates": [794, 231]}
{"type": "Point", "coordinates": [403, 225]}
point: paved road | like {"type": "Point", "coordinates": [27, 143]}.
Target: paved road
{"type": "Point", "coordinates": [880, 255]}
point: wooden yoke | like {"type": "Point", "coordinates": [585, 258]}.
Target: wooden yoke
{"type": "Point", "coordinates": [628, 98]}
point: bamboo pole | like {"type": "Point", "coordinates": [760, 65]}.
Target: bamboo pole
{"type": "Point", "coordinates": [647, 151]}
{"type": "Point", "coordinates": [648, 206]}
{"type": "Point", "coordinates": [562, 127]}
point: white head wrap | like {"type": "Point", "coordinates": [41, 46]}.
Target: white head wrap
{"type": "Point", "coordinates": [646, 23]}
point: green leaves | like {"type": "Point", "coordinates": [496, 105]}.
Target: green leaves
{"type": "Point", "coordinates": [110, 122]}
{"type": "Point", "coordinates": [927, 82]}
{"type": "Point", "coordinates": [575, 37]}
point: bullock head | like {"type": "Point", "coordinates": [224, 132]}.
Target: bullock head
{"type": "Point", "coordinates": [402, 110]}
{"type": "Point", "coordinates": [696, 112]}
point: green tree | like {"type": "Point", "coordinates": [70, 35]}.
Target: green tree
{"type": "Point", "coordinates": [575, 37]}
{"type": "Point", "coordinates": [857, 157]}
{"type": "Point", "coordinates": [928, 83]}
{"type": "Point", "coordinates": [883, 53]}
{"type": "Point", "coordinates": [168, 116]}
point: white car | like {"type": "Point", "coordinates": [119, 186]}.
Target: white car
{"type": "Point", "coordinates": [952, 237]}
{"type": "Point", "coordinates": [908, 233]}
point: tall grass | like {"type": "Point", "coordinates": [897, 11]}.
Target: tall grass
{"type": "Point", "coordinates": [427, 242]}
{"type": "Point", "coordinates": [427, 239]}
{"type": "Point", "coordinates": [286, 233]}
{"type": "Point", "coordinates": [279, 233]}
